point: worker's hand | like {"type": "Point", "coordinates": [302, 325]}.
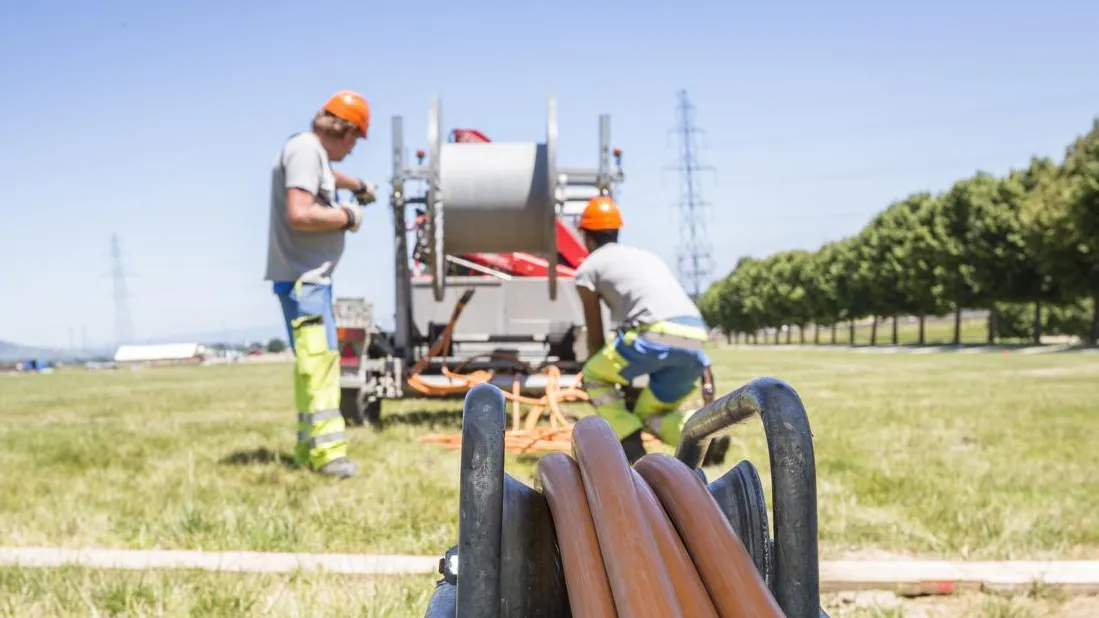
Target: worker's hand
{"type": "Point", "coordinates": [708, 386]}
{"type": "Point", "coordinates": [365, 194]}
{"type": "Point", "coordinates": [354, 215]}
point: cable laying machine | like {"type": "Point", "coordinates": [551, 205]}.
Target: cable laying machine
{"type": "Point", "coordinates": [493, 241]}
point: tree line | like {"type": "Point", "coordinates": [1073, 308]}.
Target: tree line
{"type": "Point", "coordinates": [1023, 246]}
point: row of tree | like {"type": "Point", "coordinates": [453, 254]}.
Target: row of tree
{"type": "Point", "coordinates": [1024, 246]}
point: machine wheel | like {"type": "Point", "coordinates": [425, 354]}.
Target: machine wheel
{"type": "Point", "coordinates": [358, 409]}
{"type": "Point", "coordinates": [739, 493]}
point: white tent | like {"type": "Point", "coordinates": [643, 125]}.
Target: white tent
{"type": "Point", "coordinates": [164, 352]}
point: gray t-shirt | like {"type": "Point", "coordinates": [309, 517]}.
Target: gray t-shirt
{"type": "Point", "coordinates": [303, 164]}
{"type": "Point", "coordinates": [636, 284]}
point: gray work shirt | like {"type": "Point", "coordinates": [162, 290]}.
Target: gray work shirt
{"type": "Point", "coordinates": [302, 163]}
{"type": "Point", "coordinates": [636, 284]}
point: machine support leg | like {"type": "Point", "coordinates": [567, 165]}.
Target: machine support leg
{"type": "Point", "coordinates": [403, 284]}
{"type": "Point", "coordinates": [481, 503]}
{"type": "Point", "coordinates": [793, 481]}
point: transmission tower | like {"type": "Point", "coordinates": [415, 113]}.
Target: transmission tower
{"type": "Point", "coordinates": [693, 253]}
{"type": "Point", "coordinates": [123, 325]}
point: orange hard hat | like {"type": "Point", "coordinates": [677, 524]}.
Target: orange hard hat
{"type": "Point", "coordinates": [350, 106]}
{"type": "Point", "coordinates": [601, 213]}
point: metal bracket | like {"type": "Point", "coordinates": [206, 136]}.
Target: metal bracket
{"type": "Point", "coordinates": [554, 189]}
{"type": "Point", "coordinates": [435, 200]}
{"type": "Point", "coordinates": [793, 480]}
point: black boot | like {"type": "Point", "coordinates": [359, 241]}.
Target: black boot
{"type": "Point", "coordinates": [633, 446]}
{"type": "Point", "coordinates": [715, 453]}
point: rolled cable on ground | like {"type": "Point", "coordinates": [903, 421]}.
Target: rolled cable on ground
{"type": "Point", "coordinates": [647, 541]}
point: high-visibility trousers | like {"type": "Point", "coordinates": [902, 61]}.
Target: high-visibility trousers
{"type": "Point", "coordinates": [322, 436]}
{"type": "Point", "coordinates": [671, 354]}
{"type": "Point", "coordinates": [310, 321]}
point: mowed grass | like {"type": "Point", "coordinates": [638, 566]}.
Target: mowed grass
{"type": "Point", "coordinates": [73, 591]}
{"type": "Point", "coordinates": [199, 457]}
{"type": "Point", "coordinates": [978, 456]}
{"type": "Point", "coordinates": [985, 456]}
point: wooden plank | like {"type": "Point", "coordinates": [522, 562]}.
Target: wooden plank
{"type": "Point", "coordinates": [947, 577]}
{"type": "Point", "coordinates": [246, 562]}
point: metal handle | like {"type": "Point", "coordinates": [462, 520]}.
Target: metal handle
{"type": "Point", "coordinates": [793, 480]}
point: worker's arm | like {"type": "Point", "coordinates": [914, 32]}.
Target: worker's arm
{"type": "Point", "coordinates": [593, 318]}
{"type": "Point", "coordinates": [586, 281]}
{"type": "Point", "coordinates": [304, 169]}
{"type": "Point", "coordinates": [346, 181]}
{"type": "Point", "coordinates": [362, 190]}
{"type": "Point", "coordinates": [305, 214]}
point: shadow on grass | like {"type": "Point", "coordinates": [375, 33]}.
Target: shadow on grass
{"type": "Point", "coordinates": [259, 456]}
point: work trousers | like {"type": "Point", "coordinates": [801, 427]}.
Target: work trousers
{"type": "Point", "coordinates": [671, 354]}
{"type": "Point", "coordinates": [311, 326]}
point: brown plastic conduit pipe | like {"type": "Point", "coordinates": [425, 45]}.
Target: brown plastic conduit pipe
{"type": "Point", "coordinates": [644, 542]}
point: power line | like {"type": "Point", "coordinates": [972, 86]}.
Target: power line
{"type": "Point", "coordinates": [123, 323]}
{"type": "Point", "coordinates": [693, 256]}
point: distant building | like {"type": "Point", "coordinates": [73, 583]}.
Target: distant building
{"type": "Point", "coordinates": [160, 355]}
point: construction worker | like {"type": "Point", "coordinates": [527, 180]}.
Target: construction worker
{"type": "Point", "coordinates": [660, 334]}
{"type": "Point", "coordinates": [305, 242]}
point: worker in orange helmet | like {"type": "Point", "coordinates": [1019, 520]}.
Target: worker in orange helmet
{"type": "Point", "coordinates": [305, 242]}
{"type": "Point", "coordinates": [660, 333]}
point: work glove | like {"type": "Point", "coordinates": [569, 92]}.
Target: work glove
{"type": "Point", "coordinates": [354, 215]}
{"type": "Point", "coordinates": [365, 194]}
{"type": "Point", "coordinates": [320, 275]}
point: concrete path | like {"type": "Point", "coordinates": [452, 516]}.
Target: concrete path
{"type": "Point", "coordinates": [904, 576]}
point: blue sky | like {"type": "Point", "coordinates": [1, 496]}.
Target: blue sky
{"type": "Point", "coordinates": [159, 122]}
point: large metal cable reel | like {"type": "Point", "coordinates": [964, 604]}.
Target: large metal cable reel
{"type": "Point", "coordinates": [494, 197]}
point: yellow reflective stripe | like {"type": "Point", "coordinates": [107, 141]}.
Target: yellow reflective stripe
{"type": "Point", "coordinates": [320, 428]}
{"type": "Point", "coordinates": [305, 418]}
{"type": "Point", "coordinates": [676, 330]}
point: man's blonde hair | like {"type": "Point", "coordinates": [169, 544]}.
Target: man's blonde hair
{"type": "Point", "coordinates": [332, 126]}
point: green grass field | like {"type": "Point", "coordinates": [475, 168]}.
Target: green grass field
{"type": "Point", "coordinates": [966, 456]}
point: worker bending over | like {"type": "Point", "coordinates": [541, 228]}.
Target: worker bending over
{"type": "Point", "coordinates": [305, 242]}
{"type": "Point", "coordinates": [660, 334]}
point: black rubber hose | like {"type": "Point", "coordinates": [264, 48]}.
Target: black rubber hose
{"type": "Point", "coordinates": [793, 481]}
{"type": "Point", "coordinates": [481, 503]}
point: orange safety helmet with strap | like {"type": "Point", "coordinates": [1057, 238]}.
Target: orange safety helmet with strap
{"type": "Point", "coordinates": [352, 107]}
{"type": "Point", "coordinates": [600, 214]}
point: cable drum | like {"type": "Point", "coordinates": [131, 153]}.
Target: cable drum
{"type": "Point", "coordinates": [492, 197]}
{"type": "Point", "coordinates": [600, 538]}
